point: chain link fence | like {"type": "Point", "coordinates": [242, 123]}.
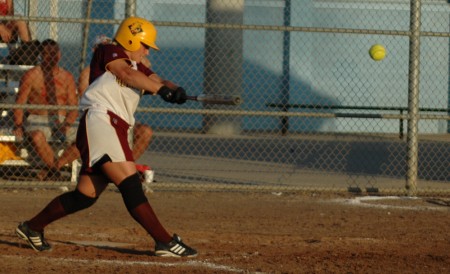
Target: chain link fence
{"type": "Point", "coordinates": [317, 114]}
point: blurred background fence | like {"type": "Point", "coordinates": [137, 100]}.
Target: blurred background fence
{"type": "Point", "coordinates": [317, 114]}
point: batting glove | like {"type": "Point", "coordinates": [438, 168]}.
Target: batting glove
{"type": "Point", "coordinates": [180, 96]}
{"type": "Point", "coordinates": [167, 94]}
{"type": "Point", "coordinates": [173, 96]}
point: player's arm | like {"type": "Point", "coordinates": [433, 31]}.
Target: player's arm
{"type": "Point", "coordinates": [122, 70]}
{"type": "Point", "coordinates": [171, 92]}
{"type": "Point", "coordinates": [139, 80]}
{"type": "Point", "coordinates": [167, 83]}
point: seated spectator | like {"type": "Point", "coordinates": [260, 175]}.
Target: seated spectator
{"type": "Point", "coordinates": [27, 52]}
{"type": "Point", "coordinates": [47, 84]}
{"type": "Point", "coordinates": [11, 30]}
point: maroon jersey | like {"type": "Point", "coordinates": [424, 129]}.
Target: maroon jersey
{"type": "Point", "coordinates": [106, 91]}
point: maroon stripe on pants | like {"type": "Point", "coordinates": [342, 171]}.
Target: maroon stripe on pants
{"type": "Point", "coordinates": [83, 146]}
{"type": "Point", "coordinates": [121, 127]}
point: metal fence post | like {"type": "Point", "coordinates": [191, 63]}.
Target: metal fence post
{"type": "Point", "coordinates": [223, 61]}
{"type": "Point", "coordinates": [413, 98]}
{"type": "Point", "coordinates": [130, 8]}
{"type": "Point", "coordinates": [286, 74]}
{"type": "Point", "coordinates": [448, 85]}
{"type": "Point", "coordinates": [86, 28]}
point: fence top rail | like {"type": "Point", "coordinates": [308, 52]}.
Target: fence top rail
{"type": "Point", "coordinates": [231, 26]}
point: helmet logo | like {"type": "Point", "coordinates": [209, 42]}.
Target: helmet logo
{"type": "Point", "coordinates": [135, 28]}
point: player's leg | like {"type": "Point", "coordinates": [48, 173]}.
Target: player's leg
{"type": "Point", "coordinates": [85, 195]}
{"type": "Point", "coordinates": [140, 209]}
{"type": "Point", "coordinates": [125, 177]}
{"type": "Point", "coordinates": [90, 186]}
{"type": "Point", "coordinates": [116, 161]}
{"type": "Point", "coordinates": [136, 202]}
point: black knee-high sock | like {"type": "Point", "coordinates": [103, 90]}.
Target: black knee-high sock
{"type": "Point", "coordinates": [52, 212]}
{"type": "Point", "coordinates": [63, 205]}
{"type": "Point", "coordinates": [140, 209]}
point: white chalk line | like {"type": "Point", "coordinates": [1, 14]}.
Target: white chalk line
{"type": "Point", "coordinates": [191, 263]}
{"type": "Point", "coordinates": [360, 201]}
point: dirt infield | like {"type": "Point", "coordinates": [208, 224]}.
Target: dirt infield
{"type": "Point", "coordinates": [235, 232]}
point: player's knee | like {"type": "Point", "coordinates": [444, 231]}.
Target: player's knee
{"type": "Point", "coordinates": [75, 200]}
{"type": "Point", "coordinates": [131, 190]}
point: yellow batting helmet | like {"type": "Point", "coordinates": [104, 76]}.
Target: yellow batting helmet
{"type": "Point", "coordinates": [135, 30]}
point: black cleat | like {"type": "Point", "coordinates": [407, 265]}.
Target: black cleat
{"type": "Point", "coordinates": [35, 239]}
{"type": "Point", "coordinates": [176, 248]}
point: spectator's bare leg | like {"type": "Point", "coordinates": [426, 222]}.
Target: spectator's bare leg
{"type": "Point", "coordinates": [23, 31]}
{"type": "Point", "coordinates": [142, 135]}
{"type": "Point", "coordinates": [69, 155]}
{"type": "Point", "coordinates": [43, 148]}
{"type": "Point", "coordinates": [19, 28]}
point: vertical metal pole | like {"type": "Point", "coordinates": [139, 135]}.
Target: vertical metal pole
{"type": "Point", "coordinates": [130, 8]}
{"type": "Point", "coordinates": [33, 12]}
{"type": "Point", "coordinates": [223, 72]}
{"type": "Point", "coordinates": [86, 35]}
{"type": "Point", "coordinates": [285, 81]}
{"type": "Point", "coordinates": [448, 84]}
{"type": "Point", "coordinates": [54, 10]}
{"type": "Point", "coordinates": [413, 98]}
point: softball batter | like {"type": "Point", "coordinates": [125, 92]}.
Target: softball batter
{"type": "Point", "coordinates": [117, 82]}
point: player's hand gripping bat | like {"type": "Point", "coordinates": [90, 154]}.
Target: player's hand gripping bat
{"type": "Point", "coordinates": [216, 99]}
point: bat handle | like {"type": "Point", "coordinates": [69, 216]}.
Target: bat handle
{"type": "Point", "coordinates": [191, 97]}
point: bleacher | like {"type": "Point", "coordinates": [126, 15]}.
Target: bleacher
{"type": "Point", "coordinates": [16, 153]}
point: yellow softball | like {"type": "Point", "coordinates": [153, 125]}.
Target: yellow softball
{"type": "Point", "coordinates": [377, 52]}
